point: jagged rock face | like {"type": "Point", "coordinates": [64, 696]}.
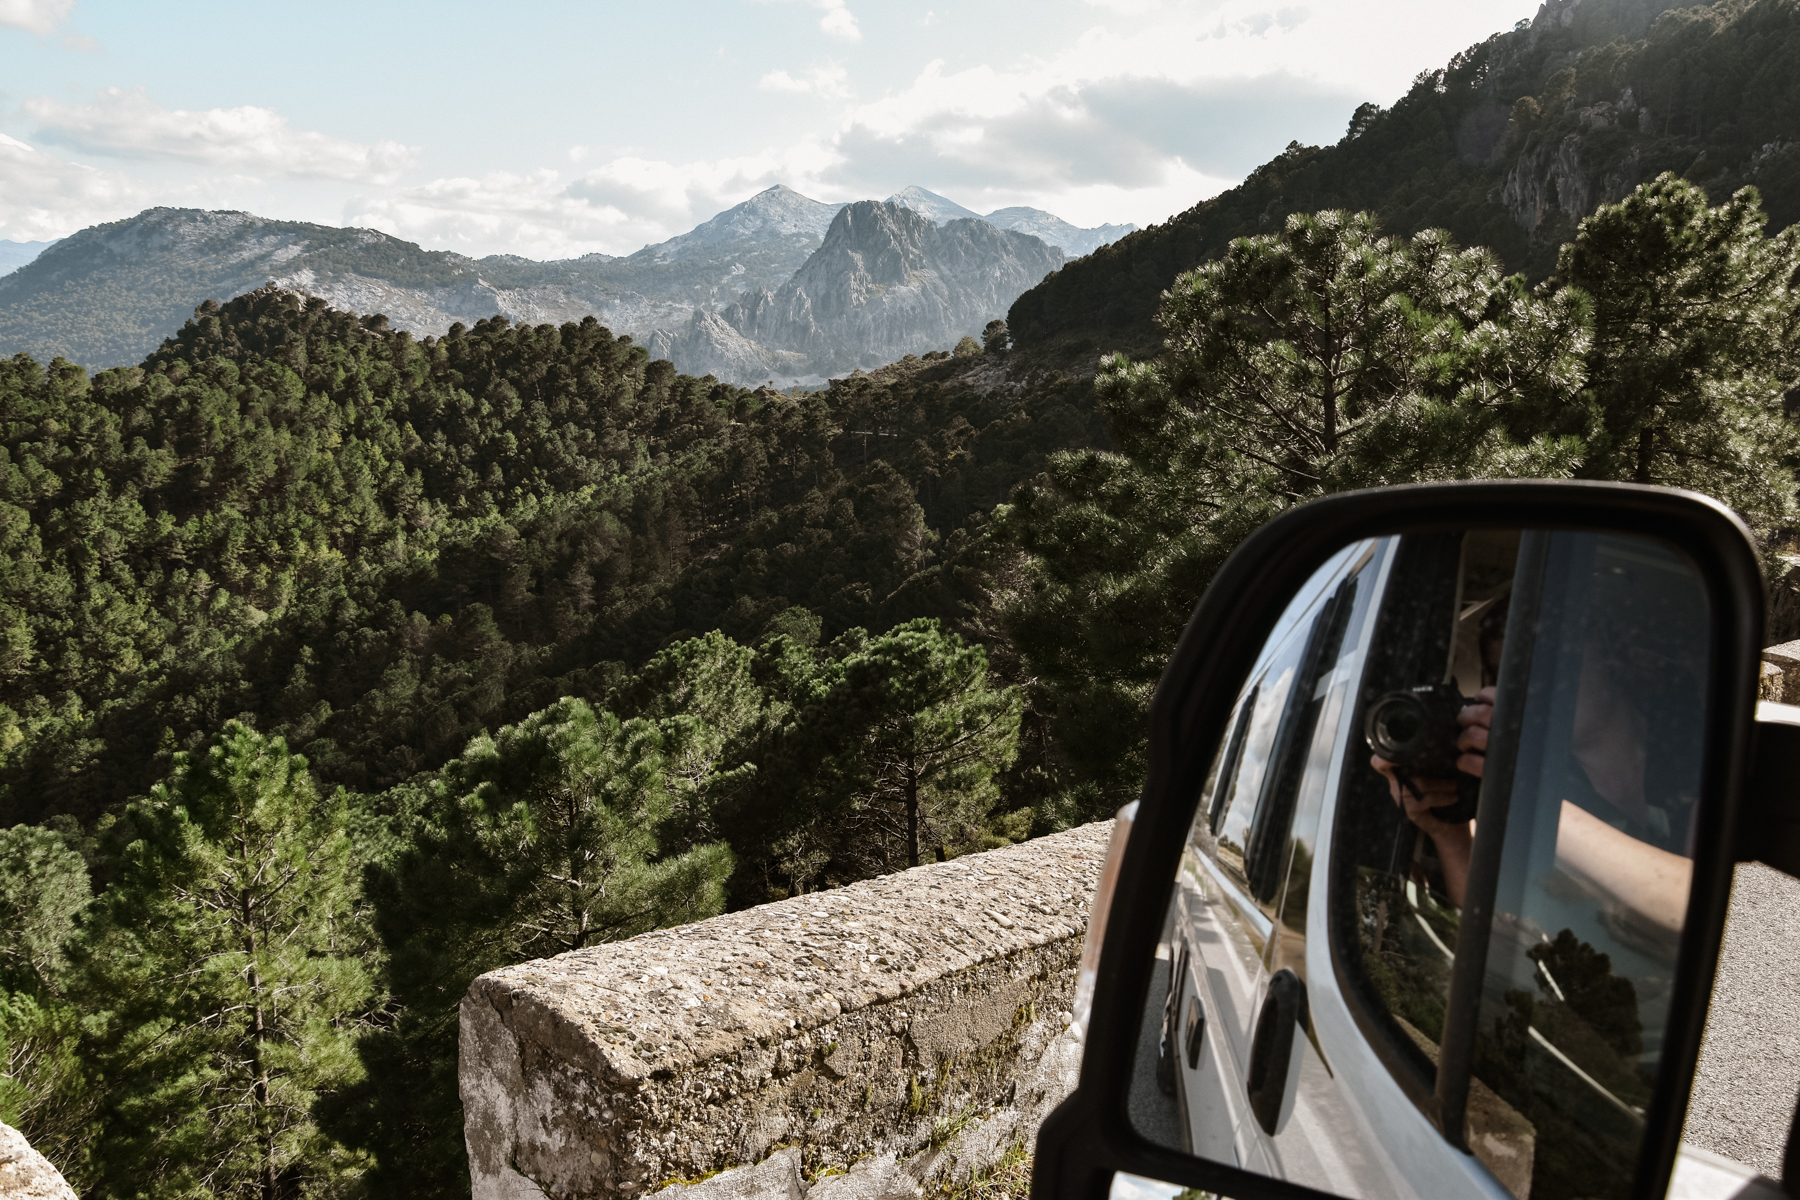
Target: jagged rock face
{"type": "Point", "coordinates": [1556, 175]}
{"type": "Point", "coordinates": [888, 282]}
{"type": "Point", "coordinates": [754, 314]}
{"type": "Point", "coordinates": [1551, 170]}
{"type": "Point", "coordinates": [710, 346]}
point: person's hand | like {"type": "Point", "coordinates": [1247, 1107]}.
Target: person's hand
{"type": "Point", "coordinates": [1417, 796]}
{"type": "Point", "coordinates": [1475, 718]}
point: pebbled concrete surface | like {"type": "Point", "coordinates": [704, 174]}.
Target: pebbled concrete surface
{"type": "Point", "coordinates": [1749, 1073]}
{"type": "Point", "coordinates": [25, 1174]}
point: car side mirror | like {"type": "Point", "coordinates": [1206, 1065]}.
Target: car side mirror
{"type": "Point", "coordinates": [1425, 890]}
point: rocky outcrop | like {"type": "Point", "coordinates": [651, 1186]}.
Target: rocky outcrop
{"type": "Point", "coordinates": [710, 346]}
{"type": "Point", "coordinates": [27, 1175]}
{"type": "Point", "coordinates": [889, 281]}
{"type": "Point", "coordinates": [889, 1034]}
{"type": "Point", "coordinates": [1558, 175]}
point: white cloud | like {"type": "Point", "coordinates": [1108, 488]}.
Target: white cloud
{"type": "Point", "coordinates": [828, 82]}
{"type": "Point", "coordinates": [42, 197]}
{"type": "Point", "coordinates": [1153, 96]}
{"type": "Point", "coordinates": [616, 208]}
{"type": "Point", "coordinates": [838, 21]}
{"type": "Point", "coordinates": [1151, 107]}
{"type": "Point", "coordinates": [126, 123]}
{"type": "Point", "coordinates": [34, 16]}
{"type": "Point", "coordinates": [1134, 119]}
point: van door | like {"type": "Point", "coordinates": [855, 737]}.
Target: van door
{"type": "Point", "coordinates": [1240, 914]}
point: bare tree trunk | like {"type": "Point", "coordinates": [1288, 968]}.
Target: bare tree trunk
{"type": "Point", "coordinates": [1646, 450]}
{"type": "Point", "coordinates": [912, 815]}
{"type": "Point", "coordinates": [258, 1068]}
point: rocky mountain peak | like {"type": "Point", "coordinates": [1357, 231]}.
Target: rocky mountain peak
{"type": "Point", "coordinates": [775, 213]}
{"type": "Point", "coordinates": [938, 208]}
{"type": "Point", "coordinates": [874, 243]}
{"type": "Point", "coordinates": [887, 281]}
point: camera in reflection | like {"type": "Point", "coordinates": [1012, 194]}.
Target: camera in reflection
{"type": "Point", "coordinates": [1416, 729]}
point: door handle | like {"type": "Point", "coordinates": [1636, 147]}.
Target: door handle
{"type": "Point", "coordinates": [1195, 1036]}
{"type": "Point", "coordinates": [1274, 1061]}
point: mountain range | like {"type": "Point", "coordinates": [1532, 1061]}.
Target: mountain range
{"type": "Point", "coordinates": [110, 294]}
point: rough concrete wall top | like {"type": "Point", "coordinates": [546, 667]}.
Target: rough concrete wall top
{"type": "Point", "coordinates": [657, 1003]}
{"type": "Point", "coordinates": [25, 1174]}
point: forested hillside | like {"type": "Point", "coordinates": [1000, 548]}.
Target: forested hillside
{"type": "Point", "coordinates": [734, 640]}
{"type": "Point", "coordinates": [377, 547]}
{"type": "Point", "coordinates": [1508, 146]}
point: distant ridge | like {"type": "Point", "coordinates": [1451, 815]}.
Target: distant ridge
{"type": "Point", "coordinates": [1072, 241]}
{"type": "Point", "coordinates": [110, 294]}
{"type": "Point", "coordinates": [14, 255]}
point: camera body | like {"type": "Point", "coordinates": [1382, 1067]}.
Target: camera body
{"type": "Point", "coordinates": [1416, 730]}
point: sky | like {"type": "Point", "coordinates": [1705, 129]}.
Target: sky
{"type": "Point", "coordinates": [556, 129]}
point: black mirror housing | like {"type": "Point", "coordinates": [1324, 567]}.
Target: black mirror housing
{"type": "Point", "coordinates": [1091, 1136]}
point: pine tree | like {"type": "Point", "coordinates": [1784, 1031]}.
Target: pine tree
{"type": "Point", "coordinates": [1319, 358]}
{"type": "Point", "coordinates": [46, 1089]}
{"type": "Point", "coordinates": [917, 736]}
{"type": "Point", "coordinates": [1696, 340]}
{"type": "Point", "coordinates": [542, 838]}
{"type": "Point", "coordinates": [224, 972]}
{"type": "Point", "coordinates": [44, 890]}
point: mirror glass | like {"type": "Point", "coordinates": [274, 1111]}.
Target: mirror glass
{"type": "Point", "coordinates": [1422, 934]}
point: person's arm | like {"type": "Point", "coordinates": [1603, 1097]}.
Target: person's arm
{"type": "Point", "coordinates": [1417, 797]}
{"type": "Point", "coordinates": [1651, 882]}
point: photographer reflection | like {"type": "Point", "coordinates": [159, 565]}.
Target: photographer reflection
{"type": "Point", "coordinates": [1607, 832]}
{"type": "Point", "coordinates": [1436, 803]}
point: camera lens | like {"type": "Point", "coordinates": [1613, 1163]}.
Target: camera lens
{"type": "Point", "coordinates": [1416, 729]}
{"type": "Point", "coordinates": [1396, 725]}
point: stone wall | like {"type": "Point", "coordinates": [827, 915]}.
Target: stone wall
{"type": "Point", "coordinates": [25, 1174]}
{"type": "Point", "coordinates": [1781, 673]}
{"type": "Point", "coordinates": [866, 1039]}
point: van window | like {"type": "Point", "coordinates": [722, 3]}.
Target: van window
{"type": "Point", "coordinates": [1247, 812]}
{"type": "Point", "coordinates": [1394, 925]}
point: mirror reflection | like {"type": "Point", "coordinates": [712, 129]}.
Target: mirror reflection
{"type": "Point", "coordinates": [1367, 986]}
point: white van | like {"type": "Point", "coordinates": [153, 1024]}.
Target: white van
{"type": "Point", "coordinates": [1311, 938]}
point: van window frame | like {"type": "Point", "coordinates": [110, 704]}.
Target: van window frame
{"type": "Point", "coordinates": [1406, 1063]}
